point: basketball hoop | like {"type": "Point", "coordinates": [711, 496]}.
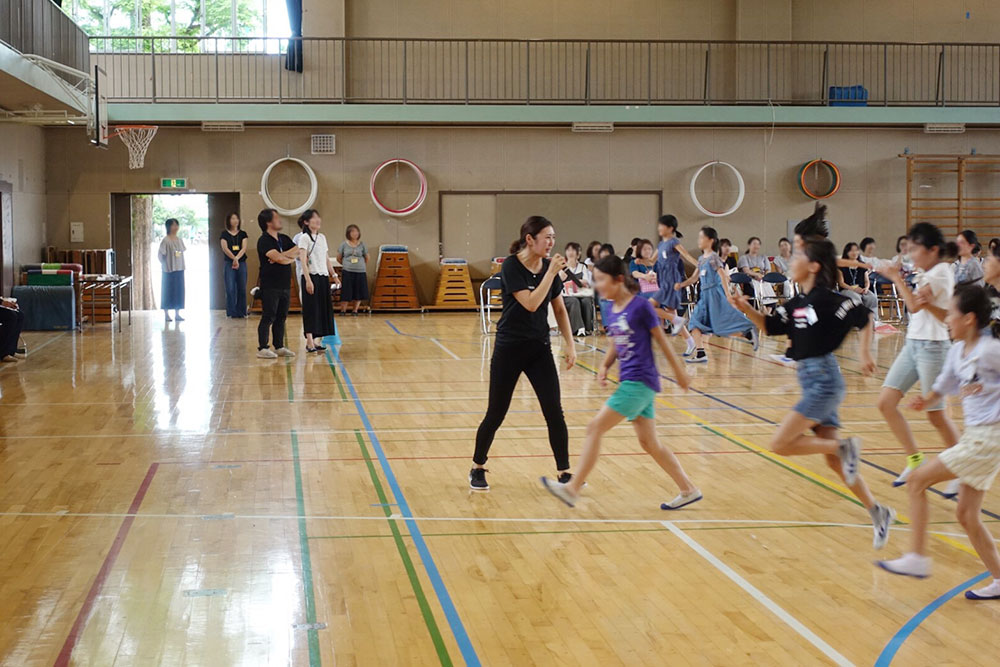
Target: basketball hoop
{"type": "Point", "coordinates": [137, 138]}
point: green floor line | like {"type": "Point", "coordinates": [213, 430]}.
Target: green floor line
{"type": "Point", "coordinates": [288, 381]}
{"type": "Point", "coordinates": [739, 444]}
{"type": "Point", "coordinates": [404, 554]}
{"type": "Point", "coordinates": [307, 575]}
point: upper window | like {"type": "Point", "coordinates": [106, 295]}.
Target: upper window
{"type": "Point", "coordinates": [185, 25]}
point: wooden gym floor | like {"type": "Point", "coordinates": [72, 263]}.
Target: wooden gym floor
{"type": "Point", "coordinates": [168, 499]}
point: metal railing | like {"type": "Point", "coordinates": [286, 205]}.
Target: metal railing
{"type": "Point", "coordinates": [483, 71]}
{"type": "Point", "coordinates": [39, 27]}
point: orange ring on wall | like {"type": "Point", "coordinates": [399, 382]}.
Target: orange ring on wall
{"type": "Point", "coordinates": [834, 173]}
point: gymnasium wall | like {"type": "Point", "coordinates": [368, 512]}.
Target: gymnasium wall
{"type": "Point", "coordinates": [871, 200]}
{"type": "Point", "coordinates": [848, 20]}
{"type": "Point", "coordinates": [22, 164]}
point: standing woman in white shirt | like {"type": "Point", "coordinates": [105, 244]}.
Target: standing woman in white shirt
{"type": "Point", "coordinates": [317, 269]}
{"type": "Point", "coordinates": [927, 341]}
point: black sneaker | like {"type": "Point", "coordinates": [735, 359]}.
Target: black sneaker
{"type": "Point", "coordinates": [699, 357]}
{"type": "Point", "coordinates": [477, 480]}
{"type": "Point", "coordinates": [565, 477]}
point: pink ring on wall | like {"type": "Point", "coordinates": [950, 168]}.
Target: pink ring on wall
{"type": "Point", "coordinates": [415, 204]}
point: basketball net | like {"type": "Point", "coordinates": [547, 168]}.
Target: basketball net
{"type": "Point", "coordinates": [137, 138]}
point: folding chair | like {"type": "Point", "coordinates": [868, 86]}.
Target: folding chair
{"type": "Point", "coordinates": [887, 295]}
{"type": "Point", "coordinates": [489, 285]}
{"type": "Point", "coordinates": [744, 279]}
{"type": "Point", "coordinates": [778, 280]}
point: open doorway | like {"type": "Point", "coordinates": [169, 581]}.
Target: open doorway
{"type": "Point", "coordinates": [137, 221]}
{"type": "Point", "coordinates": [149, 212]}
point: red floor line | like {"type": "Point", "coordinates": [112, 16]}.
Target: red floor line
{"type": "Point", "coordinates": [102, 575]}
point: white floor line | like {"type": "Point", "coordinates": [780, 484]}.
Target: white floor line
{"type": "Point", "coordinates": [758, 595]}
{"type": "Point", "coordinates": [391, 431]}
{"type": "Point", "coordinates": [453, 355]}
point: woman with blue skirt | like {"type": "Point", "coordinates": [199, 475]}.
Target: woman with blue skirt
{"type": "Point", "coordinates": [171, 256]}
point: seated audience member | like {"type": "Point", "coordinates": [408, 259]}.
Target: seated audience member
{"type": "Point", "coordinates": [854, 281]}
{"type": "Point", "coordinates": [968, 270]}
{"type": "Point", "coordinates": [11, 321]}
{"type": "Point", "coordinates": [606, 250]}
{"type": "Point", "coordinates": [756, 265]}
{"type": "Point", "coordinates": [579, 299]}
{"type": "Point", "coordinates": [782, 261]}
{"type": "Point", "coordinates": [725, 252]}
{"type": "Point", "coordinates": [592, 250]}
{"type": "Point", "coordinates": [643, 267]}
{"type": "Point", "coordinates": [867, 251]}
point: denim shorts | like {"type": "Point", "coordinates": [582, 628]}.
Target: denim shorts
{"type": "Point", "coordinates": [823, 390]}
{"type": "Point", "coordinates": [919, 360]}
{"type": "Point", "coordinates": [632, 400]}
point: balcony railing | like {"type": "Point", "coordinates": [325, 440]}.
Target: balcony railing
{"type": "Point", "coordinates": [40, 28]}
{"type": "Point", "coordinates": [483, 71]}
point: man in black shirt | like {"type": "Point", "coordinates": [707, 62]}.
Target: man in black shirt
{"type": "Point", "coordinates": [277, 254]}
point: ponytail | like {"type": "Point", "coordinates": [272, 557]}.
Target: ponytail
{"type": "Point", "coordinates": [533, 226]}
{"type": "Point", "coordinates": [614, 266]}
{"type": "Point", "coordinates": [710, 233]}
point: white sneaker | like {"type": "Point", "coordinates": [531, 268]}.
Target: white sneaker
{"type": "Point", "coordinates": [882, 519]}
{"type": "Point", "coordinates": [951, 490]}
{"type": "Point", "coordinates": [266, 353]}
{"type": "Point", "coordinates": [560, 491]}
{"type": "Point", "coordinates": [681, 500]}
{"type": "Point", "coordinates": [910, 565]}
{"type": "Point", "coordinates": [675, 328]}
{"type": "Point", "coordinates": [284, 352]}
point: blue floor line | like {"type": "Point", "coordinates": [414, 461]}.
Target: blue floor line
{"type": "Point", "coordinates": [889, 652]}
{"type": "Point", "coordinates": [444, 598]}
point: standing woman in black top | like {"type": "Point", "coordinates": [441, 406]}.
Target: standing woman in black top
{"type": "Point", "coordinates": [529, 283]}
{"type": "Point", "coordinates": [234, 246]}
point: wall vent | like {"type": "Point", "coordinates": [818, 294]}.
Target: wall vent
{"type": "Point", "coordinates": [944, 128]}
{"type": "Point", "coordinates": [324, 144]}
{"type": "Point", "coordinates": [221, 126]}
{"type": "Point", "coordinates": [593, 127]}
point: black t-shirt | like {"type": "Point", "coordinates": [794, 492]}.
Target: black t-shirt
{"type": "Point", "coordinates": [516, 323]}
{"type": "Point", "coordinates": [274, 276]}
{"type": "Point", "coordinates": [853, 276]}
{"type": "Point", "coordinates": [816, 323]}
{"type": "Point", "coordinates": [234, 242]}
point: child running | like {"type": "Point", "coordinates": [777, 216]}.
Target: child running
{"type": "Point", "coordinates": [670, 256]}
{"type": "Point", "coordinates": [714, 314]}
{"type": "Point", "coordinates": [972, 370]}
{"type": "Point", "coordinates": [927, 343]}
{"type": "Point", "coordinates": [816, 322]}
{"type": "Point", "coordinates": [633, 326]}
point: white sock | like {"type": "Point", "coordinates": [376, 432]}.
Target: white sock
{"type": "Point", "coordinates": [989, 591]}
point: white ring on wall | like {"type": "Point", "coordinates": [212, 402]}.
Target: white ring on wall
{"type": "Point", "coordinates": [313, 187]}
{"type": "Point", "coordinates": [739, 182]}
{"type": "Point", "coordinates": [415, 204]}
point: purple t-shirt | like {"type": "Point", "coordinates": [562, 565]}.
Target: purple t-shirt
{"type": "Point", "coordinates": [630, 331]}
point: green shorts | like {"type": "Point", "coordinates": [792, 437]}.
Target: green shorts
{"type": "Point", "coordinates": [632, 400]}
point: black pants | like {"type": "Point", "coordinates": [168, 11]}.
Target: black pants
{"type": "Point", "coordinates": [535, 360]}
{"type": "Point", "coordinates": [274, 303]}
{"type": "Point", "coordinates": [11, 322]}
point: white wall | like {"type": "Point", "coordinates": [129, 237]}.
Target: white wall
{"type": "Point", "coordinates": [22, 163]}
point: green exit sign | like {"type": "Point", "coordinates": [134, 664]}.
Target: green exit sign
{"type": "Point", "coordinates": [173, 183]}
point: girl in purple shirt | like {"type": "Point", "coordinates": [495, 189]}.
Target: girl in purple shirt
{"type": "Point", "coordinates": [632, 326]}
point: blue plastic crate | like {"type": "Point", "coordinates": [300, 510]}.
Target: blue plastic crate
{"type": "Point", "coordinates": [848, 96]}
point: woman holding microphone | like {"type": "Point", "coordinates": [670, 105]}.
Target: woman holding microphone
{"type": "Point", "coordinates": [529, 283]}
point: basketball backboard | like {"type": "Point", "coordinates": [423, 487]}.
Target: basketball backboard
{"type": "Point", "coordinates": [99, 129]}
